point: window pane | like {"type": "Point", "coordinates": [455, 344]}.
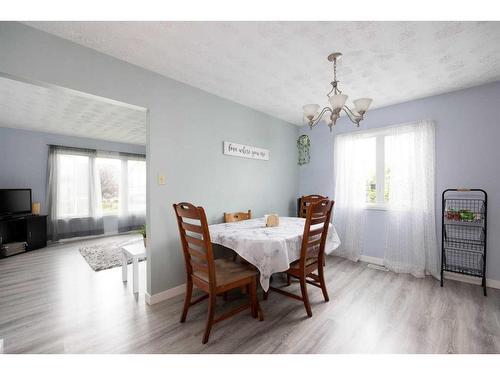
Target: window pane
{"type": "Point", "coordinates": [109, 173]}
{"type": "Point", "coordinates": [73, 186]}
{"type": "Point", "coordinates": [370, 177]}
{"type": "Point", "coordinates": [136, 186]}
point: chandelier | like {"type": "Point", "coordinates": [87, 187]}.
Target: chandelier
{"type": "Point", "coordinates": [337, 101]}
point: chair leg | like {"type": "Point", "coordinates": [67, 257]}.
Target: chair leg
{"type": "Point", "coordinates": [305, 297]}
{"type": "Point", "coordinates": [288, 280]}
{"type": "Point", "coordinates": [323, 283]}
{"type": "Point", "coordinates": [259, 311]}
{"type": "Point", "coordinates": [210, 318]}
{"type": "Point", "coordinates": [187, 300]}
{"type": "Point", "coordinates": [253, 297]}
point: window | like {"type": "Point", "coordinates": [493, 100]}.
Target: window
{"type": "Point", "coordinates": [93, 192]}
{"type": "Point", "coordinates": [391, 168]}
{"type": "Point", "coordinates": [91, 184]}
{"type": "Point", "coordinates": [123, 185]}
{"type": "Point", "coordinates": [377, 171]}
{"type": "Point", "coordinates": [368, 145]}
{"type": "Point", "coordinates": [109, 171]}
{"type": "Point", "coordinates": [73, 186]}
{"type": "Point", "coordinates": [136, 174]}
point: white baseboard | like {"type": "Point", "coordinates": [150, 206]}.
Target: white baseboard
{"type": "Point", "coordinates": [490, 283]}
{"type": "Point", "coordinates": [166, 294]}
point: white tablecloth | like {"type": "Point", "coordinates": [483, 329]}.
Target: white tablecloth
{"type": "Point", "coordinates": [271, 250]}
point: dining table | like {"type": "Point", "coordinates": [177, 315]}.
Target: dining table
{"type": "Point", "coordinates": [269, 249]}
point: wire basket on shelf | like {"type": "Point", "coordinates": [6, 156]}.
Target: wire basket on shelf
{"type": "Point", "coordinates": [463, 239]}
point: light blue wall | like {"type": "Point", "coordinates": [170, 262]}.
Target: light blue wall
{"type": "Point", "coordinates": [467, 155]}
{"type": "Point", "coordinates": [185, 133]}
{"type": "Point", "coordinates": [23, 157]}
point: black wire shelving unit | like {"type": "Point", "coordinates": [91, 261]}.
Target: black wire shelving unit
{"type": "Point", "coordinates": [463, 233]}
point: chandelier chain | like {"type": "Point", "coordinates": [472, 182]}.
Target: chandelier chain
{"type": "Point", "coordinates": [335, 70]}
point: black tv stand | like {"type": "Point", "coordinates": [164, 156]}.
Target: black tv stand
{"type": "Point", "coordinates": [28, 228]}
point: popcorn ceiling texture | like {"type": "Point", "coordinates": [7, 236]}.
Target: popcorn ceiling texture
{"type": "Point", "coordinates": [52, 110]}
{"type": "Point", "coordinates": [276, 67]}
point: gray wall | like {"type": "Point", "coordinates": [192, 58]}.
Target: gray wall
{"type": "Point", "coordinates": [467, 155]}
{"type": "Point", "coordinates": [23, 157]}
{"type": "Point", "coordinates": [185, 133]}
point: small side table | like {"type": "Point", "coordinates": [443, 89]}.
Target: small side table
{"type": "Point", "coordinates": [136, 251]}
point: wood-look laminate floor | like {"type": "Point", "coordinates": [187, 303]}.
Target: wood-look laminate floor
{"type": "Point", "coordinates": [52, 302]}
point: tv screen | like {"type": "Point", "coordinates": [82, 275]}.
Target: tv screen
{"type": "Point", "coordinates": [15, 201]}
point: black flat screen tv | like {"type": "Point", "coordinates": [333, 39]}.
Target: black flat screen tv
{"type": "Point", "coordinates": [15, 202]}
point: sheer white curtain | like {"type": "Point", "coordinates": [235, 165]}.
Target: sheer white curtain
{"type": "Point", "coordinates": [132, 213]}
{"type": "Point", "coordinates": [73, 193]}
{"type": "Point", "coordinates": [399, 162]}
{"type": "Point", "coordinates": [93, 192]}
{"type": "Point", "coordinates": [351, 156]}
{"type": "Point", "coordinates": [411, 244]}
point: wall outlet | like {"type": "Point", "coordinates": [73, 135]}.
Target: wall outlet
{"type": "Point", "coordinates": [161, 179]}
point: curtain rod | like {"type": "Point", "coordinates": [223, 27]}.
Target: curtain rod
{"type": "Point", "coordinates": [97, 150]}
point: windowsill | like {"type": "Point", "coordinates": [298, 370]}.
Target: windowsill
{"type": "Point", "coordinates": [377, 207]}
{"type": "Point", "coordinates": [71, 217]}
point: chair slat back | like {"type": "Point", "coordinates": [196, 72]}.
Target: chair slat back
{"type": "Point", "coordinates": [318, 215]}
{"type": "Point", "coordinates": [306, 200]}
{"type": "Point", "coordinates": [195, 240]}
{"type": "Point", "coordinates": [230, 217]}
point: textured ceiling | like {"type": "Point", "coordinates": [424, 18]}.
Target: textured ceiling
{"type": "Point", "coordinates": [53, 109]}
{"type": "Point", "coordinates": [276, 67]}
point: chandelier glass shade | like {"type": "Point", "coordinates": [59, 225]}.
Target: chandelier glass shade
{"type": "Point", "coordinates": [337, 99]}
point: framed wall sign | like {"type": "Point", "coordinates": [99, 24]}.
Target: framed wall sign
{"type": "Point", "coordinates": [244, 151]}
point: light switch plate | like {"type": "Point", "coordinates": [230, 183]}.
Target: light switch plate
{"type": "Point", "coordinates": [161, 179]}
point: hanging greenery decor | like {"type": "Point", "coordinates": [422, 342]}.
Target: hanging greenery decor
{"type": "Point", "coordinates": [303, 145]}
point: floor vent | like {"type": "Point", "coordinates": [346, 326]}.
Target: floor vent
{"type": "Point", "coordinates": [377, 267]}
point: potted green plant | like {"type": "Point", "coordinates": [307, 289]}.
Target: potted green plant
{"type": "Point", "coordinates": [142, 231]}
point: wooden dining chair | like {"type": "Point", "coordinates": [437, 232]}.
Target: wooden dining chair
{"type": "Point", "coordinates": [306, 200]}
{"type": "Point", "coordinates": [312, 253]}
{"type": "Point", "coordinates": [230, 217]}
{"type": "Point", "coordinates": [212, 276]}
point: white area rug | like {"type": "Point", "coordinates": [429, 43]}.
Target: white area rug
{"type": "Point", "coordinates": [106, 255]}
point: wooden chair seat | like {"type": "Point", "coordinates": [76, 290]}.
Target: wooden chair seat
{"type": "Point", "coordinates": [228, 272]}
{"type": "Point", "coordinates": [308, 262]}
